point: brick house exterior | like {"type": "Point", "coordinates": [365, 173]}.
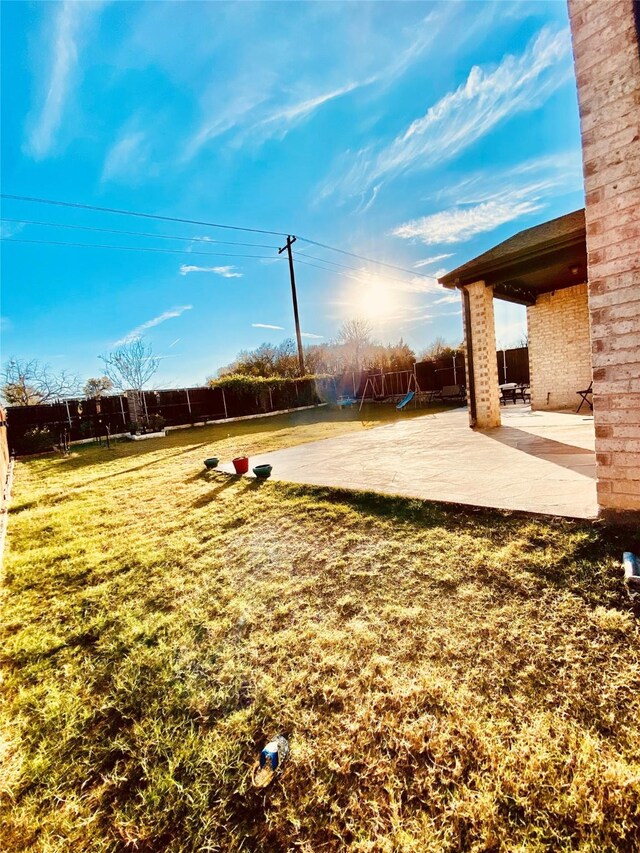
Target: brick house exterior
{"type": "Point", "coordinates": [606, 52]}
{"type": "Point", "coordinates": [559, 347]}
{"type": "Point", "coordinates": [579, 275]}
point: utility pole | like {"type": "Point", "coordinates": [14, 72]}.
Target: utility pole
{"type": "Point", "coordinates": [290, 242]}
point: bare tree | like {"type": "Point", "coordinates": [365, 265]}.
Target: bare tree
{"type": "Point", "coordinates": [440, 349]}
{"type": "Point", "coordinates": [355, 337]}
{"type": "Point", "coordinates": [97, 387]}
{"type": "Point", "coordinates": [28, 383]}
{"type": "Point", "coordinates": [130, 366]}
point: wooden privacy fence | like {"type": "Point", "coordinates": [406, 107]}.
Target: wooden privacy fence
{"type": "Point", "coordinates": [35, 428]}
{"type": "Point", "coordinates": [432, 375]}
{"type": "Point", "coordinates": [4, 451]}
{"type": "Point", "coordinates": [87, 418]}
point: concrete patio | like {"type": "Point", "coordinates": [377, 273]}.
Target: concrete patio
{"type": "Point", "coordinates": [539, 462]}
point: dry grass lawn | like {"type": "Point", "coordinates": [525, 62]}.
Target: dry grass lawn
{"type": "Point", "coordinates": [449, 680]}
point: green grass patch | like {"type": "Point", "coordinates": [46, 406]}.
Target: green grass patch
{"type": "Point", "coordinates": [449, 679]}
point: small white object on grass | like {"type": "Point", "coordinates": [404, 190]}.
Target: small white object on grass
{"type": "Point", "coordinates": [271, 759]}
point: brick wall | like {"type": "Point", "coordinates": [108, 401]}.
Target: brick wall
{"type": "Point", "coordinates": [559, 348]}
{"type": "Point", "coordinates": [607, 63]}
{"type": "Point", "coordinates": [485, 365]}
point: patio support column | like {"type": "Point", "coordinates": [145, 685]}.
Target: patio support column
{"type": "Point", "coordinates": [606, 49]}
{"type": "Point", "coordinates": [482, 367]}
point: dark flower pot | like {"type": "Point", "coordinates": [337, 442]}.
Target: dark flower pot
{"type": "Point", "coordinates": [212, 462]}
{"type": "Point", "coordinates": [241, 464]}
{"type": "Point", "coordinates": [263, 472]}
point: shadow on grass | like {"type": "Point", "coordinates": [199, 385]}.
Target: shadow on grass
{"type": "Point", "coordinates": [585, 556]}
{"type": "Point", "coordinates": [372, 414]}
{"type": "Point", "coordinates": [163, 461]}
{"type": "Point", "coordinates": [213, 493]}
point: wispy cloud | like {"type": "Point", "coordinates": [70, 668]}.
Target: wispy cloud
{"type": "Point", "coordinates": [125, 157]}
{"type": "Point", "coordinates": [249, 95]}
{"type": "Point", "coordinates": [267, 326]}
{"type": "Point", "coordinates": [136, 333]}
{"type": "Point", "coordinates": [265, 105]}
{"type": "Point", "coordinates": [425, 262]}
{"type": "Point", "coordinates": [10, 229]}
{"type": "Point", "coordinates": [488, 97]}
{"type": "Point", "coordinates": [69, 21]}
{"type": "Point", "coordinates": [225, 272]}
{"type": "Point", "coordinates": [461, 224]}
{"type": "Point", "coordinates": [419, 284]}
{"type": "Point", "coordinates": [311, 336]}
{"type": "Point", "coordinates": [447, 300]}
{"type": "Point", "coordinates": [283, 119]}
{"type": "Point", "coordinates": [551, 175]}
{"type": "Point", "coordinates": [486, 200]}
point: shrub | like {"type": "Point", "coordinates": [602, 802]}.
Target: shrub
{"type": "Point", "coordinates": [37, 440]}
{"type": "Point", "coordinates": [156, 423]}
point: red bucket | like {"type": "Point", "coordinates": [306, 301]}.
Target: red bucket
{"type": "Point", "coordinates": [241, 464]}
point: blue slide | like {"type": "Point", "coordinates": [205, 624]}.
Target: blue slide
{"type": "Point", "coordinates": [406, 400]}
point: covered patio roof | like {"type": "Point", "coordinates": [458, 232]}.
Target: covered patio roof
{"type": "Point", "coordinates": [538, 260]}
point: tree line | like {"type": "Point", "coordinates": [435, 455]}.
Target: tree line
{"type": "Point", "coordinates": [132, 365]}
{"type": "Point", "coordinates": [354, 349]}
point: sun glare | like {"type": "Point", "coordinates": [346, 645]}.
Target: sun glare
{"type": "Point", "coordinates": [376, 300]}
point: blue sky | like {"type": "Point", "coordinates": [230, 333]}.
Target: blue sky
{"type": "Point", "coordinates": [420, 134]}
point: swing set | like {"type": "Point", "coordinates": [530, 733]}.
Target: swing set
{"type": "Point", "coordinates": [392, 387]}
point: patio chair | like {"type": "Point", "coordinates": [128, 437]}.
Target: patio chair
{"type": "Point", "coordinates": [583, 397]}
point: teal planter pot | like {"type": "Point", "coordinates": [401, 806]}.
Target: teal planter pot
{"type": "Point", "coordinates": [212, 462]}
{"type": "Point", "coordinates": [263, 472]}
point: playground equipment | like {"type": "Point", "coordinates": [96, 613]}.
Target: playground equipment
{"type": "Point", "coordinates": [406, 401]}
{"type": "Point", "coordinates": [346, 402]}
{"type": "Point", "coordinates": [392, 386]}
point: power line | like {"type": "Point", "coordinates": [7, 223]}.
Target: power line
{"type": "Point", "coordinates": [210, 225]}
{"type": "Point", "coordinates": [335, 272]}
{"type": "Point", "coordinates": [134, 248]}
{"type": "Point", "coordinates": [362, 257]}
{"type": "Point", "coordinates": [185, 252]}
{"type": "Point", "coordinates": [345, 266]}
{"type": "Point", "coordinates": [135, 213]}
{"type": "Point", "coordinates": [136, 233]}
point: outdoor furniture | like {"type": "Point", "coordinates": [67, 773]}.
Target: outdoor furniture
{"type": "Point", "coordinates": [583, 397]}
{"type": "Point", "coordinates": [524, 393]}
{"type": "Point", "coordinates": [453, 393]}
{"type": "Point", "coordinates": [508, 391]}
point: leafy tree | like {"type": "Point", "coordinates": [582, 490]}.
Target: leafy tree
{"type": "Point", "coordinates": [354, 349]}
{"type": "Point", "coordinates": [266, 360]}
{"type": "Point", "coordinates": [97, 387]}
{"type": "Point", "coordinates": [28, 383]}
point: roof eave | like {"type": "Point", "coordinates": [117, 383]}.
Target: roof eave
{"type": "Point", "coordinates": [477, 272]}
